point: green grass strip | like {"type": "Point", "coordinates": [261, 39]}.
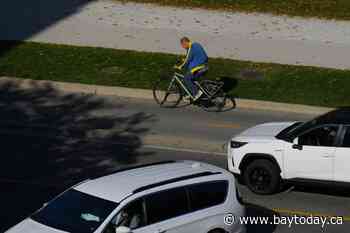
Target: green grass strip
{"type": "Point", "coordinates": [261, 81]}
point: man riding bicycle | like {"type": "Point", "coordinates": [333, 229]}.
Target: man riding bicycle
{"type": "Point", "coordinates": [195, 64]}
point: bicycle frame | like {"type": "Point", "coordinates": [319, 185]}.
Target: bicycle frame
{"type": "Point", "coordinates": [179, 77]}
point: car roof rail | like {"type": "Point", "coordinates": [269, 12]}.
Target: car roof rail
{"type": "Point", "coordinates": [174, 180]}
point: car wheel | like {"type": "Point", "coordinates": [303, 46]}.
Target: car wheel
{"type": "Point", "coordinates": [262, 177]}
{"type": "Point", "coordinates": [217, 231]}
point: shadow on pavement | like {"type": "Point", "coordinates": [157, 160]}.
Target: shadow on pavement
{"type": "Point", "coordinates": [51, 140]}
{"type": "Point", "coordinates": [20, 20]}
{"type": "Point", "coordinates": [326, 190]}
{"type": "Point", "coordinates": [253, 211]}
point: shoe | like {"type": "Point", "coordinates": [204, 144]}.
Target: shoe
{"type": "Point", "coordinates": [187, 98]}
{"type": "Point", "coordinates": [199, 94]}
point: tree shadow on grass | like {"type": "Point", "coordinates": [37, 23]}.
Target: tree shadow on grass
{"type": "Point", "coordinates": [50, 141]}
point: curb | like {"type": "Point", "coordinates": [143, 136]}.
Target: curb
{"type": "Point", "coordinates": [147, 94]}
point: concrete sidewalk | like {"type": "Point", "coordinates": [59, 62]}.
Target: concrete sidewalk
{"type": "Point", "coordinates": [254, 37]}
{"type": "Point", "coordinates": [147, 94]}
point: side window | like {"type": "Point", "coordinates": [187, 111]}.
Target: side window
{"type": "Point", "coordinates": [207, 194]}
{"type": "Point", "coordinates": [167, 204]}
{"type": "Point", "coordinates": [346, 140]}
{"type": "Point", "coordinates": [131, 216]}
{"type": "Point", "coordinates": [322, 136]}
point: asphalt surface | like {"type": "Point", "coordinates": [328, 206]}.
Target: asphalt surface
{"type": "Point", "coordinates": [51, 141]}
{"type": "Point", "coordinates": [192, 127]}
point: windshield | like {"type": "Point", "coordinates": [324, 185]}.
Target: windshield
{"type": "Point", "coordinates": [296, 129]}
{"type": "Point", "coordinates": [75, 211]}
{"type": "Point", "coordinates": [285, 134]}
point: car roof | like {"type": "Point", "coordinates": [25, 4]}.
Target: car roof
{"type": "Point", "coordinates": [338, 116]}
{"type": "Point", "coordinates": [122, 184]}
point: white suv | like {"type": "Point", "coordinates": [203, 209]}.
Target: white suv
{"type": "Point", "coordinates": [317, 151]}
{"type": "Point", "coordinates": [181, 197]}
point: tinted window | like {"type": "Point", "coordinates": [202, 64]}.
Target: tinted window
{"type": "Point", "coordinates": [168, 204]}
{"type": "Point", "coordinates": [346, 140]}
{"type": "Point", "coordinates": [207, 194]}
{"type": "Point", "coordinates": [131, 216]}
{"type": "Point", "coordinates": [333, 117]}
{"type": "Point", "coordinates": [287, 132]}
{"type": "Point", "coordinates": [323, 136]}
{"type": "Point", "coordinates": [75, 211]}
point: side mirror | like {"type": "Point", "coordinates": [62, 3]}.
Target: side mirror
{"type": "Point", "coordinates": [296, 144]}
{"type": "Point", "coordinates": [123, 229]}
{"type": "Point", "coordinates": [296, 141]}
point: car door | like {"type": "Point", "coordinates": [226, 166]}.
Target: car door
{"type": "Point", "coordinates": [166, 211]}
{"type": "Point", "coordinates": [311, 155]}
{"type": "Point", "coordinates": [132, 216]}
{"type": "Point", "coordinates": [342, 157]}
{"type": "Point", "coordinates": [160, 212]}
{"type": "Point", "coordinates": [208, 208]}
{"type": "Point", "coordinates": [193, 208]}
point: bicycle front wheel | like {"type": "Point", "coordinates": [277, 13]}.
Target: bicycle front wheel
{"type": "Point", "coordinates": [167, 96]}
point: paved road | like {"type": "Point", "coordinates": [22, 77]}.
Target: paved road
{"type": "Point", "coordinates": [51, 141]}
{"type": "Point", "coordinates": [190, 127]}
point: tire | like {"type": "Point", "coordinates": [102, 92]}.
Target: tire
{"type": "Point", "coordinates": [229, 104]}
{"type": "Point", "coordinates": [232, 101]}
{"type": "Point", "coordinates": [217, 231]}
{"type": "Point", "coordinates": [214, 104]}
{"type": "Point", "coordinates": [169, 98]}
{"type": "Point", "coordinates": [220, 103]}
{"type": "Point", "coordinates": [262, 177]}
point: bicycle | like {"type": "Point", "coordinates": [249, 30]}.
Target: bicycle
{"type": "Point", "coordinates": [169, 92]}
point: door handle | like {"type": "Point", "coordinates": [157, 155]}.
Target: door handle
{"type": "Point", "coordinates": [297, 147]}
{"type": "Point", "coordinates": [327, 156]}
{"type": "Point", "coordinates": [161, 231]}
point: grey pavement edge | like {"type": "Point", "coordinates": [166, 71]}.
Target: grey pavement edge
{"type": "Point", "coordinates": [147, 94]}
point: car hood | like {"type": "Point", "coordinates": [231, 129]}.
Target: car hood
{"type": "Point", "coordinates": [30, 226]}
{"type": "Point", "coordinates": [265, 131]}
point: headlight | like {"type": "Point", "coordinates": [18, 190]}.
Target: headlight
{"type": "Point", "coordinates": [236, 144]}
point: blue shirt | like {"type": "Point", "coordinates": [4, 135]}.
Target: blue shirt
{"type": "Point", "coordinates": [196, 57]}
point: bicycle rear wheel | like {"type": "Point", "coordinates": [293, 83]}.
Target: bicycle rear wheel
{"type": "Point", "coordinates": [221, 102]}
{"type": "Point", "coordinates": [168, 98]}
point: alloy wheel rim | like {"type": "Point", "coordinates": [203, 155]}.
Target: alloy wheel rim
{"type": "Point", "coordinates": [260, 179]}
